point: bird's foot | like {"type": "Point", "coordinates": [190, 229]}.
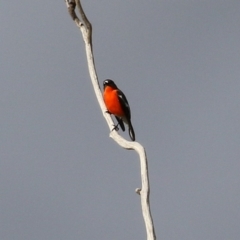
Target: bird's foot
{"type": "Point", "coordinates": [116, 127]}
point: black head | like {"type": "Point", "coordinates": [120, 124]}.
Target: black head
{"type": "Point", "coordinates": [110, 83]}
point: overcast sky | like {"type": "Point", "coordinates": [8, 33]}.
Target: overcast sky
{"type": "Point", "coordinates": [62, 177]}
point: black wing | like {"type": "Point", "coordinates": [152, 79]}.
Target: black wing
{"type": "Point", "coordinates": [124, 104]}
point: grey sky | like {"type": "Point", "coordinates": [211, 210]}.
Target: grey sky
{"type": "Point", "coordinates": [62, 177]}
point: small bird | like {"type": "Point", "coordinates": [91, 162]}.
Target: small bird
{"type": "Point", "coordinates": [117, 104]}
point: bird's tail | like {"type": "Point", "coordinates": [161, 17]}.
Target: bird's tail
{"type": "Point", "coordinates": [131, 131]}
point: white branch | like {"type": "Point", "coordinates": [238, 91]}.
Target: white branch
{"type": "Point", "coordinates": [85, 26]}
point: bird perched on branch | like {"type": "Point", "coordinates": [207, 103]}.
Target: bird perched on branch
{"type": "Point", "coordinates": [117, 104]}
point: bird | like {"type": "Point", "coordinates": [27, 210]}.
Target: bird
{"type": "Point", "coordinates": [117, 104]}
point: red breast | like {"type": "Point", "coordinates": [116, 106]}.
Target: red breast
{"type": "Point", "coordinates": [111, 100]}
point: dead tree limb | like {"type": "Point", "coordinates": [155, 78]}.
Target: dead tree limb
{"type": "Point", "coordinates": [86, 28]}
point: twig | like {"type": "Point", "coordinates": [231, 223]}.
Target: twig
{"type": "Point", "coordinates": [86, 28]}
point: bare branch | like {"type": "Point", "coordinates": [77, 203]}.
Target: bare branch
{"type": "Point", "coordinates": [85, 20]}
{"type": "Point", "coordinates": [83, 15]}
{"type": "Point", "coordinates": [144, 192]}
{"type": "Point", "coordinates": [86, 28]}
